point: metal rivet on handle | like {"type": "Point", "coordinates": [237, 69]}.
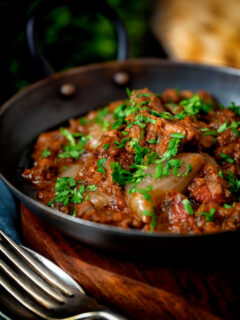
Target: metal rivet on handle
{"type": "Point", "coordinates": [121, 78]}
{"type": "Point", "coordinates": [67, 90]}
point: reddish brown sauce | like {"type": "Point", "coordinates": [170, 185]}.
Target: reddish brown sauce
{"type": "Point", "coordinates": [167, 162]}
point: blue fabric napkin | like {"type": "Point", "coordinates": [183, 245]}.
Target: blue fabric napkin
{"type": "Point", "coordinates": [9, 219]}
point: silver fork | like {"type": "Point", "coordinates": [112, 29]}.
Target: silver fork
{"type": "Point", "coordinates": [34, 286]}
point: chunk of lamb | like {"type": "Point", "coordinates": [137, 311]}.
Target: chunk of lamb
{"type": "Point", "coordinates": [208, 186]}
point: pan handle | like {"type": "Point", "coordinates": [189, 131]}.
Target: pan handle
{"type": "Point", "coordinates": [45, 68]}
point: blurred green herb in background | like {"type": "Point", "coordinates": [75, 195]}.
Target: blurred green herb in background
{"type": "Point", "coordinates": [67, 38]}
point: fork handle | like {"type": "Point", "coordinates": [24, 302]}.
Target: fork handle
{"type": "Point", "coordinates": [100, 315]}
{"type": "Point", "coordinates": [90, 309]}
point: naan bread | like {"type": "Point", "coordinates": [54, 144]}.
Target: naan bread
{"type": "Point", "coordinates": [207, 31]}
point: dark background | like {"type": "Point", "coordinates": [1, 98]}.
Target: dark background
{"type": "Point", "coordinates": [69, 38]}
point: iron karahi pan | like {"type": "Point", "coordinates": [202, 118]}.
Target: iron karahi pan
{"type": "Point", "coordinates": [41, 107]}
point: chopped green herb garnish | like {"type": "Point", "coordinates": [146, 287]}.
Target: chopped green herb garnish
{"type": "Point", "coordinates": [163, 115]}
{"type": "Point", "coordinates": [123, 142]}
{"type": "Point", "coordinates": [75, 148]}
{"type": "Point", "coordinates": [234, 108]}
{"type": "Point", "coordinates": [178, 135]}
{"type": "Point", "coordinates": [162, 170]}
{"type": "Point", "coordinates": [100, 165]}
{"type": "Point", "coordinates": [68, 135]}
{"type": "Point", "coordinates": [120, 175]}
{"type": "Point", "coordinates": [226, 157]}
{"type": "Point", "coordinates": [145, 193]}
{"type": "Point", "coordinates": [66, 191]}
{"type": "Point", "coordinates": [139, 151]}
{"type": "Point", "coordinates": [74, 212]}
{"type": "Point", "coordinates": [151, 157]}
{"type": "Point", "coordinates": [193, 106]}
{"type": "Point", "coordinates": [142, 121]}
{"type": "Point", "coordinates": [233, 126]}
{"type": "Point", "coordinates": [172, 149]}
{"type": "Point", "coordinates": [153, 141]}
{"type": "Point", "coordinates": [147, 196]}
{"type": "Point", "coordinates": [210, 133]}
{"type": "Point", "coordinates": [189, 169]}
{"type": "Point", "coordinates": [99, 119]}
{"type": "Point", "coordinates": [187, 206]}
{"type": "Point", "coordinates": [83, 121]}
{"type": "Point", "coordinates": [45, 153]}
{"type": "Point", "coordinates": [138, 175]}
{"type": "Point", "coordinates": [139, 95]}
{"type": "Point", "coordinates": [209, 215]}
{"type": "Point", "coordinates": [106, 146]}
{"type": "Point", "coordinates": [223, 127]}
{"type": "Point", "coordinates": [167, 155]}
{"type": "Point", "coordinates": [64, 168]}
{"type": "Point", "coordinates": [227, 206]}
{"type": "Point", "coordinates": [92, 187]}
{"type": "Point", "coordinates": [128, 92]}
{"type": "Point", "coordinates": [234, 184]}
{"type": "Point", "coordinates": [153, 215]}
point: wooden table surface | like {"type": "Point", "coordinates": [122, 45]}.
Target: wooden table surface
{"type": "Point", "coordinates": [203, 289]}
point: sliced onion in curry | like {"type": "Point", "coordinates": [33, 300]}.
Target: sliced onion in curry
{"type": "Point", "coordinates": [99, 199]}
{"type": "Point", "coordinates": [160, 186]}
{"type": "Point", "coordinates": [71, 171]}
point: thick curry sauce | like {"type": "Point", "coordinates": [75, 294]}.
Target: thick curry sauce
{"type": "Point", "coordinates": [155, 162]}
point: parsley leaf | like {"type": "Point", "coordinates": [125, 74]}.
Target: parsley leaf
{"type": "Point", "coordinates": [210, 133]}
{"type": "Point", "coordinates": [234, 184]}
{"type": "Point", "coordinates": [172, 149]}
{"type": "Point", "coordinates": [123, 142]}
{"type": "Point", "coordinates": [234, 108]}
{"type": "Point", "coordinates": [139, 95]}
{"type": "Point", "coordinates": [193, 106]}
{"type": "Point", "coordinates": [209, 215]}
{"type": "Point", "coordinates": [45, 153]}
{"type": "Point", "coordinates": [139, 151]}
{"type": "Point", "coordinates": [92, 187]}
{"type": "Point", "coordinates": [106, 146]}
{"type": "Point", "coordinates": [233, 125]}
{"type": "Point", "coordinates": [153, 141]}
{"type": "Point", "coordinates": [153, 215]}
{"type": "Point", "coordinates": [178, 135]}
{"type": "Point", "coordinates": [73, 149]}
{"type": "Point", "coordinates": [145, 193]}
{"type": "Point", "coordinates": [163, 115]}
{"type": "Point", "coordinates": [189, 169]}
{"type": "Point", "coordinates": [187, 206]}
{"type": "Point", "coordinates": [120, 175]}
{"type": "Point", "coordinates": [66, 191]}
{"type": "Point", "coordinates": [142, 121]}
{"type": "Point", "coordinates": [100, 165]}
{"type": "Point", "coordinates": [99, 119]}
{"type": "Point", "coordinates": [226, 157]}
{"type": "Point", "coordinates": [83, 121]}
{"type": "Point", "coordinates": [227, 206]}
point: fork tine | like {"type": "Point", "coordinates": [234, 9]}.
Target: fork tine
{"type": "Point", "coordinates": [26, 286]}
{"type": "Point", "coordinates": [35, 278]}
{"type": "Point", "coordinates": [34, 264]}
{"type": "Point", "coordinates": [17, 294]}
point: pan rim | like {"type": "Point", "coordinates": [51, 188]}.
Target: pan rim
{"type": "Point", "coordinates": [94, 225]}
{"type": "Point", "coordinates": [99, 65]}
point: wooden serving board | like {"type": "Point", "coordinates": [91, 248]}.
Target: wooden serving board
{"type": "Point", "coordinates": [141, 291]}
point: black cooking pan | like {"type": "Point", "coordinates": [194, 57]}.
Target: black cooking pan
{"type": "Point", "coordinates": [51, 101]}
